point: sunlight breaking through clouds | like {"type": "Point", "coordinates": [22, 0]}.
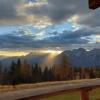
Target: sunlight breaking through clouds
{"type": "Point", "coordinates": [94, 38]}
{"type": "Point", "coordinates": [74, 19]}
{"type": "Point", "coordinates": [13, 53]}
{"type": "Point", "coordinates": [46, 24]}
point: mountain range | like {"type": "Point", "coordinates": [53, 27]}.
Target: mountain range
{"type": "Point", "coordinates": [83, 58]}
{"type": "Point", "coordinates": [76, 57]}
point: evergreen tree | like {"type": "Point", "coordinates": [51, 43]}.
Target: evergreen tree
{"type": "Point", "coordinates": [37, 73]}
{"type": "Point", "coordinates": [18, 71]}
{"type": "Point", "coordinates": [0, 68]}
{"type": "Point", "coordinates": [45, 75]}
{"type": "Point", "coordinates": [5, 79]}
{"type": "Point", "coordinates": [13, 74]}
{"type": "Point", "coordinates": [26, 72]}
{"type": "Point", "coordinates": [1, 72]}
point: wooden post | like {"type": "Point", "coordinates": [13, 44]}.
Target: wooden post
{"type": "Point", "coordinates": [85, 94]}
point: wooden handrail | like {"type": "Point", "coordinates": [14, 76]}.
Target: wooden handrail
{"type": "Point", "coordinates": [84, 86]}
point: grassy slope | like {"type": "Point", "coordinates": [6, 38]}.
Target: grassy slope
{"type": "Point", "coordinates": [95, 94]}
{"type": "Point", "coordinates": [69, 96]}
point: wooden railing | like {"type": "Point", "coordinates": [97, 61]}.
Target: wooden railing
{"type": "Point", "coordinates": [54, 88]}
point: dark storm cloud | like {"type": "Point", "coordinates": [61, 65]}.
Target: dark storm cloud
{"type": "Point", "coordinates": [8, 9]}
{"type": "Point", "coordinates": [92, 19]}
{"type": "Point", "coordinates": [56, 10]}
{"type": "Point", "coordinates": [60, 10]}
{"type": "Point", "coordinates": [40, 10]}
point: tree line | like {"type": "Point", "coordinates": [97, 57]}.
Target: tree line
{"type": "Point", "coordinates": [22, 72]}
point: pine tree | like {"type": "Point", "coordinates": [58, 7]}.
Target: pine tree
{"type": "Point", "coordinates": [26, 72]}
{"type": "Point", "coordinates": [37, 73]}
{"type": "Point", "coordinates": [18, 71]}
{"type": "Point", "coordinates": [1, 72]}
{"type": "Point", "coordinates": [12, 74]}
{"type": "Point", "coordinates": [45, 75]}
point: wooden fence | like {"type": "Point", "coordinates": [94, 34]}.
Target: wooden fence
{"type": "Point", "coordinates": [54, 88]}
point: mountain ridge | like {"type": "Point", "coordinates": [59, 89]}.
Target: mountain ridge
{"type": "Point", "coordinates": [77, 58]}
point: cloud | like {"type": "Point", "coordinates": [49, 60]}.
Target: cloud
{"type": "Point", "coordinates": [64, 10]}
{"type": "Point", "coordinates": [46, 12]}
{"type": "Point", "coordinates": [13, 41]}
{"type": "Point", "coordinates": [10, 13]}
{"type": "Point", "coordinates": [7, 9]}
{"type": "Point", "coordinates": [73, 37]}
{"type": "Point", "coordinates": [91, 19]}
{"type": "Point", "coordinates": [50, 19]}
{"type": "Point", "coordinates": [23, 39]}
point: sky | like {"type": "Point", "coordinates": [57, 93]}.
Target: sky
{"type": "Point", "coordinates": [49, 25]}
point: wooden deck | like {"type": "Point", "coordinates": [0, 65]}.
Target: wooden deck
{"type": "Point", "coordinates": [84, 86]}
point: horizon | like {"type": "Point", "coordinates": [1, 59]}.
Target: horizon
{"type": "Point", "coordinates": [7, 54]}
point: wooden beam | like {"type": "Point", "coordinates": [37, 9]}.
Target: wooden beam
{"type": "Point", "coordinates": [94, 4]}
